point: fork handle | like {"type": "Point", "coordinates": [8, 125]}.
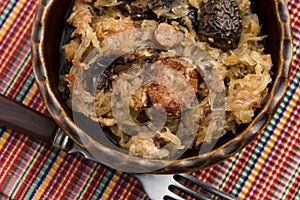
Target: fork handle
{"type": "Point", "coordinates": [27, 121]}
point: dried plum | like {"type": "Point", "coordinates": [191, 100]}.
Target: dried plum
{"type": "Point", "coordinates": [220, 24]}
{"type": "Point", "coordinates": [141, 9]}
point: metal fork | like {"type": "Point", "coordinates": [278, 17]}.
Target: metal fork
{"type": "Point", "coordinates": [177, 186]}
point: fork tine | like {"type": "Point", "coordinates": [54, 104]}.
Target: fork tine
{"type": "Point", "coordinates": [200, 196]}
{"type": "Point", "coordinates": [159, 186]}
{"type": "Point", "coordinates": [205, 186]}
{"type": "Point", "coordinates": [155, 185]}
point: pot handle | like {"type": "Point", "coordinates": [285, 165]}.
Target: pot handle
{"type": "Point", "coordinates": [30, 122]}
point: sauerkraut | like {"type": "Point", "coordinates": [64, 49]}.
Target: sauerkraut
{"type": "Point", "coordinates": [139, 68]}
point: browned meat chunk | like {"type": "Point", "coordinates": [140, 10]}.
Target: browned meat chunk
{"type": "Point", "coordinates": [166, 35]}
{"type": "Point", "coordinates": [173, 84]}
{"type": "Point", "coordinates": [162, 98]}
{"type": "Point", "coordinates": [183, 67]}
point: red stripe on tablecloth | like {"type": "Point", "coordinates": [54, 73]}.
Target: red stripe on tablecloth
{"type": "Point", "coordinates": [97, 179]}
{"type": "Point", "coordinates": [32, 173]}
{"type": "Point", "coordinates": [234, 169]}
{"type": "Point", "coordinates": [115, 194]}
{"type": "Point", "coordinates": [37, 103]}
{"type": "Point", "coordinates": [273, 167]}
{"type": "Point", "coordinates": [3, 5]}
{"type": "Point", "coordinates": [13, 148]}
{"type": "Point", "coordinates": [14, 66]}
{"type": "Point", "coordinates": [265, 176]}
{"type": "Point", "coordinates": [16, 36]}
{"type": "Point", "coordinates": [88, 190]}
{"type": "Point", "coordinates": [296, 60]}
{"type": "Point", "coordinates": [295, 187]}
{"type": "Point", "coordinates": [62, 185]}
{"type": "Point", "coordinates": [273, 179]}
{"type": "Point", "coordinates": [22, 22]}
{"type": "Point", "coordinates": [54, 180]}
{"type": "Point", "coordinates": [121, 184]}
{"type": "Point", "coordinates": [19, 83]}
{"type": "Point", "coordinates": [9, 58]}
{"type": "Point", "coordinates": [213, 174]}
{"type": "Point", "coordinates": [16, 57]}
{"type": "Point", "coordinates": [87, 176]}
{"type": "Point", "coordinates": [15, 84]}
{"type": "Point", "coordinates": [74, 177]}
{"type": "Point", "coordinates": [294, 9]}
{"type": "Point", "coordinates": [293, 144]}
{"type": "Point", "coordinates": [221, 176]}
{"type": "Point", "coordinates": [59, 179]}
{"type": "Point", "coordinates": [20, 170]}
{"type": "Point", "coordinates": [207, 174]}
{"type": "Point", "coordinates": [5, 147]}
{"type": "Point", "coordinates": [133, 186]}
{"type": "Point", "coordinates": [214, 171]}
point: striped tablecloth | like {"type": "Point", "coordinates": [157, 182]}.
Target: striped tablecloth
{"type": "Point", "coordinates": [268, 168]}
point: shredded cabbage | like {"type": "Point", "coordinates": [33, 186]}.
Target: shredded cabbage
{"type": "Point", "coordinates": [229, 85]}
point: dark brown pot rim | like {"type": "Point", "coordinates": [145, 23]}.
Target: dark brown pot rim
{"type": "Point", "coordinates": [124, 162]}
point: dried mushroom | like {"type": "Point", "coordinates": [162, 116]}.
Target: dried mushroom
{"type": "Point", "coordinates": [220, 24]}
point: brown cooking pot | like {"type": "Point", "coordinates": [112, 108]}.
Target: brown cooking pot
{"type": "Point", "coordinates": [47, 37]}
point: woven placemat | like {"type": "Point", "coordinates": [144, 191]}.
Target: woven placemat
{"type": "Point", "coordinates": [268, 168]}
